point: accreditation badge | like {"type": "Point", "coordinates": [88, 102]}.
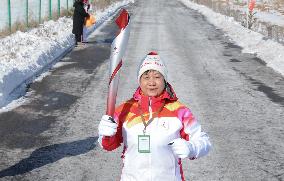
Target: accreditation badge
{"type": "Point", "coordinates": [144, 143]}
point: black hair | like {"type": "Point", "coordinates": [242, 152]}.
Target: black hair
{"type": "Point", "coordinates": [168, 89]}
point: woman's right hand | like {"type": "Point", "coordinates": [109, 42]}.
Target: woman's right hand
{"type": "Point", "coordinates": [107, 126]}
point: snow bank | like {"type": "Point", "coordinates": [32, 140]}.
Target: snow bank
{"type": "Point", "coordinates": [252, 42]}
{"type": "Point", "coordinates": [23, 56]}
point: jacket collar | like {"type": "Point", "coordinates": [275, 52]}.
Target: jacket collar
{"type": "Point", "coordinates": [156, 102]}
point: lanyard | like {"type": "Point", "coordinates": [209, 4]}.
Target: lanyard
{"type": "Point", "coordinates": [150, 120]}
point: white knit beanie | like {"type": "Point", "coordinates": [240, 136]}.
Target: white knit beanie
{"type": "Point", "coordinates": [152, 61]}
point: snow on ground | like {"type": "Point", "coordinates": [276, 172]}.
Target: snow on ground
{"type": "Point", "coordinates": [252, 42]}
{"type": "Point", "coordinates": [26, 55]}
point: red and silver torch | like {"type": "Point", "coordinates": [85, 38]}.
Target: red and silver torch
{"type": "Point", "coordinates": [118, 48]}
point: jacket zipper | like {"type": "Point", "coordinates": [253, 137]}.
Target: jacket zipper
{"type": "Point", "coordinates": [150, 108]}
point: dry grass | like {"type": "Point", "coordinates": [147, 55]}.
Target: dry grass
{"type": "Point", "coordinates": [269, 30]}
{"type": "Point", "coordinates": [101, 4]}
{"type": "Point", "coordinates": [277, 4]}
{"type": "Point", "coordinates": [19, 26]}
{"type": "Point", "coordinates": [4, 32]}
{"type": "Point", "coordinates": [67, 13]}
{"type": "Point", "coordinates": [264, 5]}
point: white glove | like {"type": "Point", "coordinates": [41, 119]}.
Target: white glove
{"type": "Point", "coordinates": [107, 126]}
{"type": "Point", "coordinates": [180, 147]}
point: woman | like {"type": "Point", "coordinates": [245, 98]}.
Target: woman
{"type": "Point", "coordinates": [78, 20]}
{"type": "Point", "coordinates": [157, 130]}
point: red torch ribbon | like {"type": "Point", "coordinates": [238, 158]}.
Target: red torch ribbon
{"type": "Point", "coordinates": [251, 5]}
{"type": "Point", "coordinates": [118, 48]}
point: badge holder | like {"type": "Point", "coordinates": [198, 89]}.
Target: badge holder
{"type": "Point", "coordinates": [144, 143]}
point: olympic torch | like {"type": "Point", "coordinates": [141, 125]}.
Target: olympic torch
{"type": "Point", "coordinates": [118, 48]}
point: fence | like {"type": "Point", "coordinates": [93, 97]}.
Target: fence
{"type": "Point", "coordinates": [29, 12]}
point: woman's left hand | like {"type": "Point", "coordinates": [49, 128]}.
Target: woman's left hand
{"type": "Point", "coordinates": [180, 147]}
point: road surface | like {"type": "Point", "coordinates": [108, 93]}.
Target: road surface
{"type": "Point", "coordinates": [237, 99]}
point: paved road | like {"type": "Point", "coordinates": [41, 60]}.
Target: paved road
{"type": "Point", "coordinates": [238, 100]}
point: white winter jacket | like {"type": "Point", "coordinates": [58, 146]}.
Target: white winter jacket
{"type": "Point", "coordinates": [174, 121]}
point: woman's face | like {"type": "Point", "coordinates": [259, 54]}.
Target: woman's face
{"type": "Point", "coordinates": [152, 83]}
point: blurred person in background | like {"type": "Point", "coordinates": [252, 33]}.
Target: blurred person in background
{"type": "Point", "coordinates": [78, 20]}
{"type": "Point", "coordinates": [87, 7]}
